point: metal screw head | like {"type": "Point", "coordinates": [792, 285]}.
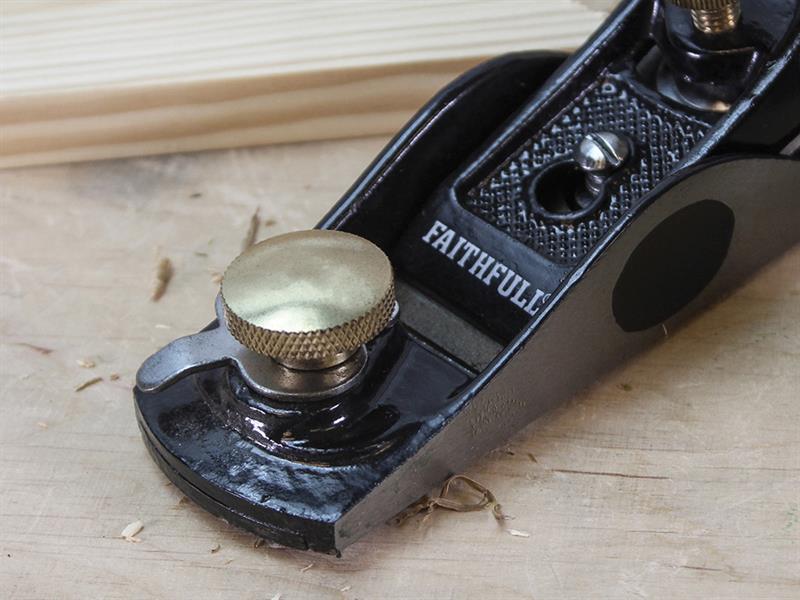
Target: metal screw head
{"type": "Point", "coordinates": [598, 154]}
{"type": "Point", "coordinates": [601, 152]}
{"type": "Point", "coordinates": [308, 299]}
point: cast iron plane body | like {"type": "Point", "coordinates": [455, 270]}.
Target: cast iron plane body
{"type": "Point", "coordinates": [511, 298]}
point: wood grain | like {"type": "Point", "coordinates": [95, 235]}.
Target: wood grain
{"type": "Point", "coordinates": [677, 476]}
{"type": "Point", "coordinates": [83, 80]}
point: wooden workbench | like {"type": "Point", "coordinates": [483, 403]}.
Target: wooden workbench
{"type": "Point", "coordinates": [674, 477]}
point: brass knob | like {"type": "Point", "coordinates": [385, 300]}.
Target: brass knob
{"type": "Point", "coordinates": [308, 299]}
{"type": "Point", "coordinates": [712, 16]}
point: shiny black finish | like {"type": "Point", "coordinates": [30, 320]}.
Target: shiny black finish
{"type": "Point", "coordinates": [229, 450]}
{"type": "Point", "coordinates": [320, 475]}
{"type": "Point", "coordinates": [299, 469]}
{"type": "Point", "coordinates": [655, 284]}
{"type": "Point", "coordinates": [438, 139]}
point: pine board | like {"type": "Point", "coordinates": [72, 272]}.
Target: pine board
{"type": "Point", "coordinates": [677, 476]}
{"type": "Point", "coordinates": [85, 79]}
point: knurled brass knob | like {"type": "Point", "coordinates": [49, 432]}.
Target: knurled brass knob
{"type": "Point", "coordinates": [308, 299]}
{"type": "Point", "coordinates": [712, 16]}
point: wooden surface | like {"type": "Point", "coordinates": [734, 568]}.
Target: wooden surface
{"type": "Point", "coordinates": [86, 79]}
{"type": "Point", "coordinates": [675, 477]}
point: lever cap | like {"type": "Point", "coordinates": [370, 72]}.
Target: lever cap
{"type": "Point", "coordinates": [308, 299]}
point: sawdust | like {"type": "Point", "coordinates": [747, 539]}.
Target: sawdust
{"type": "Point", "coordinates": [518, 533]}
{"type": "Point", "coordinates": [131, 529]}
{"type": "Point", "coordinates": [85, 363]}
{"type": "Point", "coordinates": [82, 386]}
{"type": "Point", "coordinates": [40, 349]}
{"type": "Point", "coordinates": [252, 231]}
{"type": "Point", "coordinates": [164, 273]}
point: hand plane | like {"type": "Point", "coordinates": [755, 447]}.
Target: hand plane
{"type": "Point", "coordinates": [538, 222]}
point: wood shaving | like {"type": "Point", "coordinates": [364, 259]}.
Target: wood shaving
{"type": "Point", "coordinates": [216, 277]}
{"type": "Point", "coordinates": [162, 326]}
{"type": "Point", "coordinates": [252, 231]}
{"type": "Point", "coordinates": [164, 273]}
{"type": "Point", "coordinates": [258, 542]}
{"type": "Point", "coordinates": [82, 386]}
{"type": "Point", "coordinates": [276, 546]}
{"type": "Point", "coordinates": [40, 349]}
{"type": "Point", "coordinates": [277, 596]}
{"type": "Point", "coordinates": [216, 549]}
{"type": "Point", "coordinates": [345, 588]}
{"type": "Point", "coordinates": [270, 222]}
{"type": "Point", "coordinates": [427, 505]}
{"type": "Point", "coordinates": [131, 529]}
{"type": "Point", "coordinates": [41, 424]}
{"type": "Point", "coordinates": [85, 363]}
{"type": "Point", "coordinates": [307, 567]}
{"type": "Point", "coordinates": [518, 533]}
{"type": "Point", "coordinates": [114, 376]}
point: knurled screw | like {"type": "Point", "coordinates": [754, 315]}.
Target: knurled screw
{"type": "Point", "coordinates": [309, 299]}
{"type": "Point", "coordinates": [712, 16]}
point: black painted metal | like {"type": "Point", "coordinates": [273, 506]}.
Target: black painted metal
{"type": "Point", "coordinates": [319, 475]}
